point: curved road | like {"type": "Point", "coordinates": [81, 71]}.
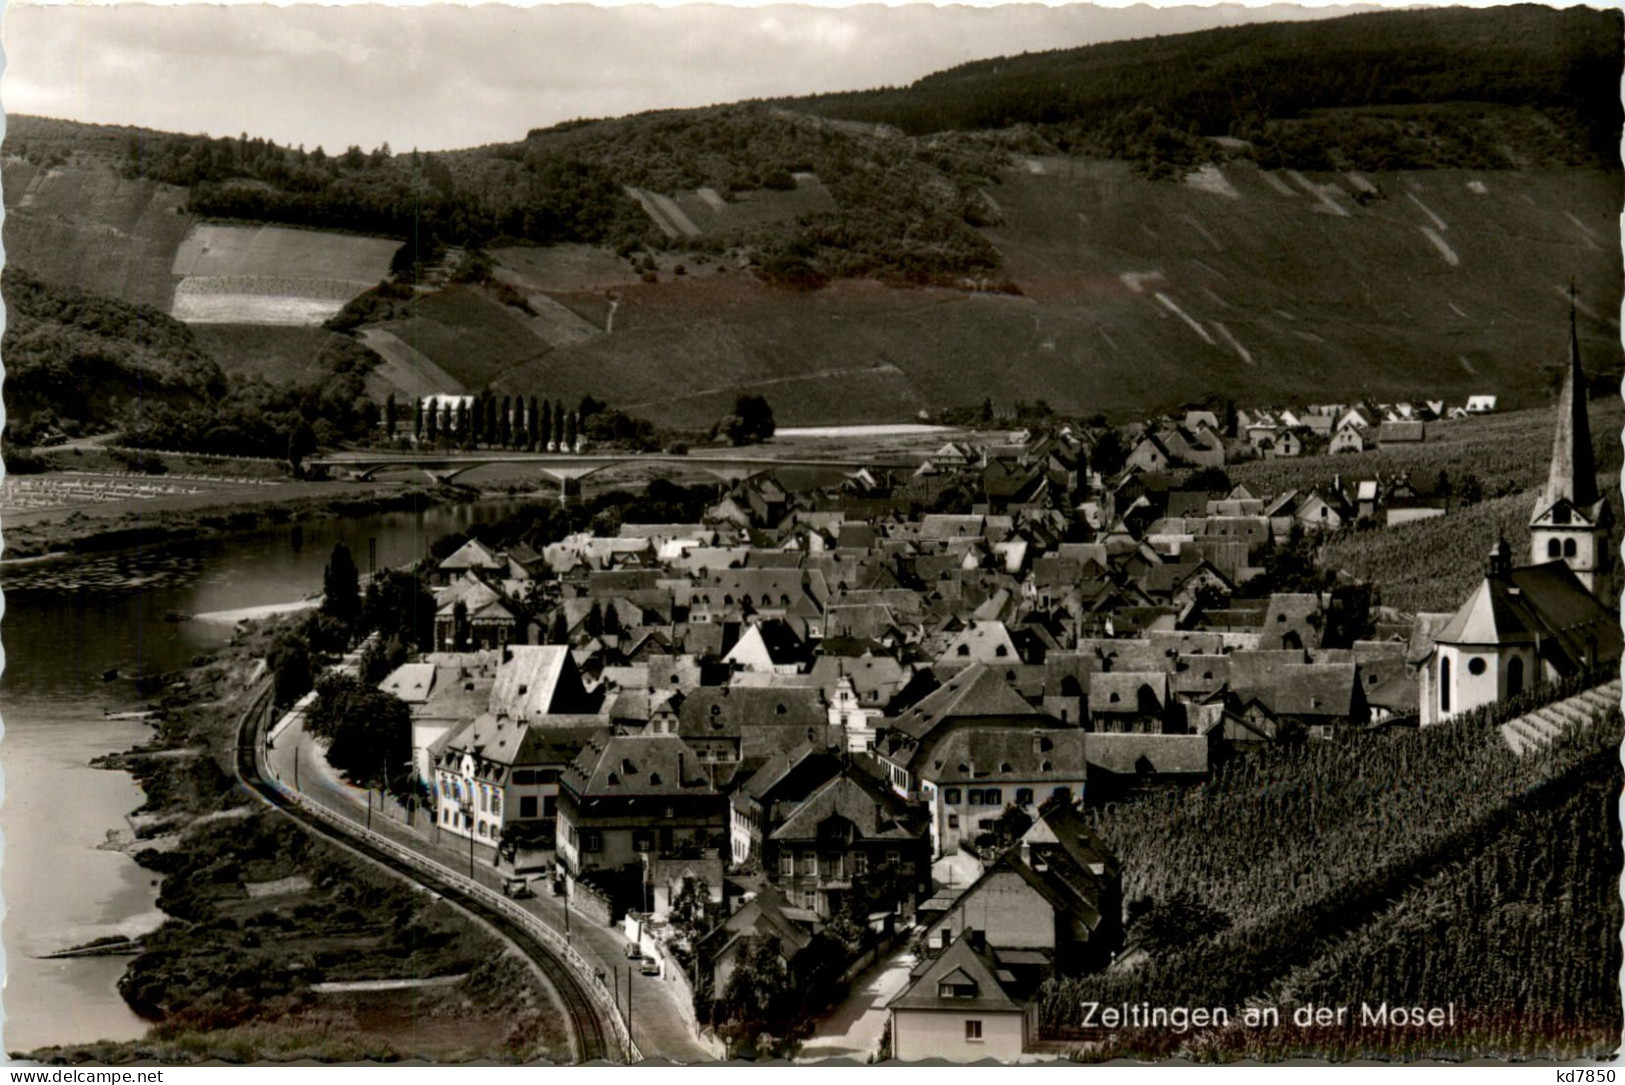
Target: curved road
{"type": "Point", "coordinates": [590, 1038]}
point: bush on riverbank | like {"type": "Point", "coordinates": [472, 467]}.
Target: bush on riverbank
{"type": "Point", "coordinates": [261, 911]}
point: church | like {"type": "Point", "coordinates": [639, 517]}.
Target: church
{"type": "Point", "coordinates": [1526, 625]}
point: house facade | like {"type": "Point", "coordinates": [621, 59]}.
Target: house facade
{"type": "Point", "coordinates": [628, 797]}
{"type": "Point", "coordinates": [959, 1009]}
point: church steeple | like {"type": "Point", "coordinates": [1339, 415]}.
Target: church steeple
{"type": "Point", "coordinates": [1573, 521]}
{"type": "Point", "coordinates": [1573, 476]}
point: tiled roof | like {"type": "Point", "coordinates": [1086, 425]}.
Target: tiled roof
{"type": "Point", "coordinates": [977, 691]}
{"type": "Point", "coordinates": [637, 766]}
{"type": "Point", "coordinates": [1005, 756]}
{"type": "Point", "coordinates": [411, 682]}
{"type": "Point", "coordinates": [876, 812]}
{"type": "Point", "coordinates": [718, 710]}
{"type": "Point", "coordinates": [968, 964]}
{"type": "Point", "coordinates": [1137, 754]}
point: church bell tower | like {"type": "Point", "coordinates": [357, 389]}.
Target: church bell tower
{"type": "Point", "coordinates": [1572, 522]}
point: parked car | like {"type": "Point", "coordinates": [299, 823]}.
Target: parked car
{"type": "Point", "coordinates": [633, 951]}
{"type": "Point", "coordinates": [651, 967]}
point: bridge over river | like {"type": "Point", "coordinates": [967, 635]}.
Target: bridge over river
{"type": "Point", "coordinates": [569, 469]}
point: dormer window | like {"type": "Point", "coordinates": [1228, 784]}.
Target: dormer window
{"type": "Point", "coordinates": [956, 990]}
{"type": "Point", "coordinates": [654, 779]}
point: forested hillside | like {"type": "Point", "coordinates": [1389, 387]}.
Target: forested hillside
{"type": "Point", "coordinates": [1511, 87]}
{"type": "Point", "coordinates": [1455, 88]}
{"type": "Point", "coordinates": [76, 361]}
{"type": "Point", "coordinates": [1387, 205]}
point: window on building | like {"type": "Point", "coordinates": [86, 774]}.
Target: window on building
{"type": "Point", "coordinates": [860, 863]}
{"type": "Point", "coordinates": [974, 797]}
{"type": "Point", "coordinates": [1024, 796]}
{"type": "Point", "coordinates": [1476, 665]}
{"type": "Point", "coordinates": [973, 1032]}
{"type": "Point", "coordinates": [809, 863]}
{"type": "Point", "coordinates": [953, 821]}
{"type": "Point", "coordinates": [527, 806]}
{"type": "Point", "coordinates": [1444, 685]}
{"type": "Point", "coordinates": [992, 797]}
{"type": "Point", "coordinates": [1569, 548]}
{"type": "Point", "coordinates": [787, 865]}
{"type": "Point", "coordinates": [592, 840]}
{"type": "Point", "coordinates": [1062, 793]}
{"type": "Point", "coordinates": [1515, 677]}
{"type": "Point", "coordinates": [1554, 549]}
{"type": "Point", "coordinates": [956, 990]}
{"type": "Point", "coordinates": [893, 856]}
{"type": "Point", "coordinates": [643, 840]}
{"type": "Point", "coordinates": [950, 795]}
{"type": "Point", "coordinates": [1001, 651]}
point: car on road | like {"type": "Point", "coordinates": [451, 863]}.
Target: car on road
{"type": "Point", "coordinates": [651, 967]}
{"type": "Point", "coordinates": [633, 951]}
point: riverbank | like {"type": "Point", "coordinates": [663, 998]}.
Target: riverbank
{"type": "Point", "coordinates": [33, 534]}
{"type": "Point", "coordinates": [261, 920]}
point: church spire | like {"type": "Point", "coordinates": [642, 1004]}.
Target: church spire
{"type": "Point", "coordinates": [1573, 473]}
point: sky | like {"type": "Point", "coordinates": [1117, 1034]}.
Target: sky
{"type": "Point", "coordinates": [437, 77]}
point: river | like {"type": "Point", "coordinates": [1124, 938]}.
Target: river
{"type": "Point", "coordinates": [65, 624]}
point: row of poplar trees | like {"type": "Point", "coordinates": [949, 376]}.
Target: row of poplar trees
{"type": "Point", "coordinates": [495, 422]}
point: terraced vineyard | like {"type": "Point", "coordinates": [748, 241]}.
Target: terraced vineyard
{"type": "Point", "coordinates": [91, 228]}
{"type": "Point", "coordinates": [470, 336]}
{"type": "Point", "coordinates": [704, 212]}
{"type": "Point", "coordinates": [280, 354]}
{"type": "Point", "coordinates": [274, 276]}
{"type": "Point", "coordinates": [1543, 726]}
